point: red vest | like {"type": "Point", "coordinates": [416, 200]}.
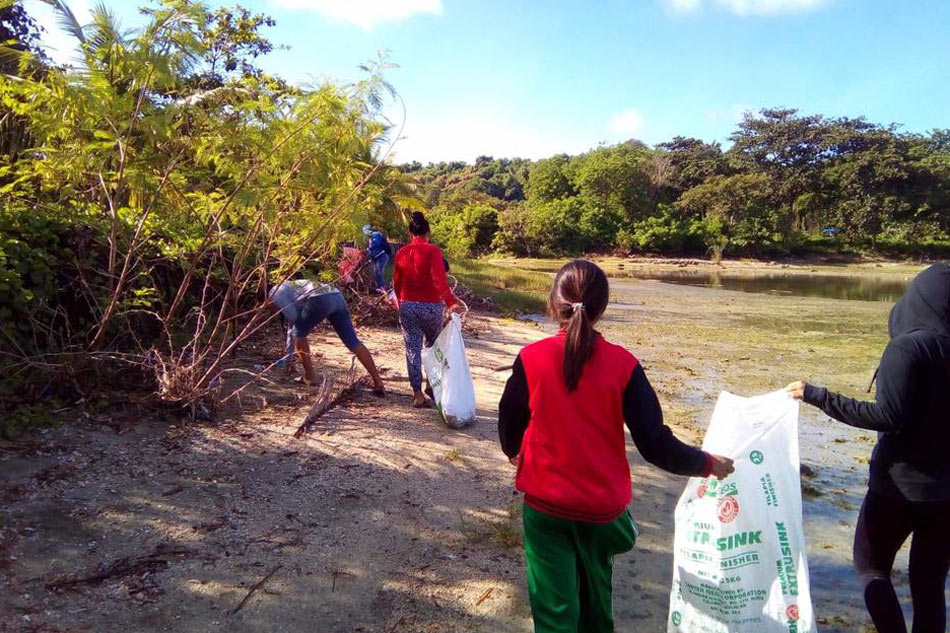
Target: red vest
{"type": "Point", "coordinates": [573, 457]}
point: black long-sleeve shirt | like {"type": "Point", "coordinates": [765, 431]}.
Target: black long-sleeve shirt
{"type": "Point", "coordinates": [894, 402]}
{"type": "Point", "coordinates": [641, 412]}
{"type": "Point", "coordinates": [911, 413]}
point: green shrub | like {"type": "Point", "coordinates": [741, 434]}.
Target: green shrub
{"type": "Point", "coordinates": [468, 232]}
{"type": "Point", "coordinates": [671, 230]}
{"type": "Point", "coordinates": [599, 226]}
{"type": "Point", "coordinates": [626, 240]}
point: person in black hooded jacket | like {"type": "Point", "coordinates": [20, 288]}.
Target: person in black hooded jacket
{"type": "Point", "coordinates": [909, 484]}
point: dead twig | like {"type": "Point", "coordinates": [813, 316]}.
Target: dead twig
{"type": "Point", "coordinates": [484, 596]}
{"type": "Point", "coordinates": [336, 573]}
{"type": "Point", "coordinates": [327, 399]}
{"type": "Point", "coordinates": [250, 593]}
{"type": "Point", "coordinates": [127, 566]}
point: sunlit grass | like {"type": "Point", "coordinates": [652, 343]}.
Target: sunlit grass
{"type": "Point", "coordinates": [623, 266]}
{"type": "Point", "coordinates": [512, 289]}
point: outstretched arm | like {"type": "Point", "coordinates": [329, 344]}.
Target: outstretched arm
{"type": "Point", "coordinates": [893, 403]}
{"type": "Point", "coordinates": [655, 440]}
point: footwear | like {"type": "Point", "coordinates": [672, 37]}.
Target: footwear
{"type": "Point", "coordinates": [424, 404]}
{"type": "Point", "coordinates": [379, 392]}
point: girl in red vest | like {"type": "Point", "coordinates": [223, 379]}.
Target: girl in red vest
{"type": "Point", "coordinates": [561, 421]}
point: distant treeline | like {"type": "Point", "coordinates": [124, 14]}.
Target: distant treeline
{"type": "Point", "coordinates": [789, 184]}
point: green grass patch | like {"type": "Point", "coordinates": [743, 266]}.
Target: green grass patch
{"type": "Point", "coordinates": [505, 532]}
{"type": "Point", "coordinates": [513, 290]}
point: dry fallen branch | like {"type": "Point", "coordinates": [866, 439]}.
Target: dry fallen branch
{"type": "Point", "coordinates": [250, 593]}
{"type": "Point", "coordinates": [328, 397]}
{"type": "Point", "coordinates": [127, 566]}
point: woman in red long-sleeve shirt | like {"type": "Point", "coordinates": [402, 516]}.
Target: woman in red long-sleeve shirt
{"type": "Point", "coordinates": [424, 294]}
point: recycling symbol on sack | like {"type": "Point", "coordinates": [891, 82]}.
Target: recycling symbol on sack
{"type": "Point", "coordinates": [756, 457]}
{"type": "Point", "coordinates": [677, 618]}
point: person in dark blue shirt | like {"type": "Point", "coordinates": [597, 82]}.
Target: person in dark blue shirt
{"type": "Point", "coordinates": [379, 252]}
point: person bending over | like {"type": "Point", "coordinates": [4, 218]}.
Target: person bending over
{"type": "Point", "coordinates": [305, 305]}
{"type": "Point", "coordinates": [379, 252]}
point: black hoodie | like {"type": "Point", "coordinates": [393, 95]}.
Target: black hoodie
{"type": "Point", "coordinates": [911, 411]}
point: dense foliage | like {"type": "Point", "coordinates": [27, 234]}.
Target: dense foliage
{"type": "Point", "coordinates": [152, 189]}
{"type": "Point", "coordinates": [163, 182]}
{"type": "Point", "coordinates": [788, 183]}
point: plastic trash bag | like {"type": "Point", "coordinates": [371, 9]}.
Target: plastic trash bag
{"type": "Point", "coordinates": [739, 550]}
{"type": "Point", "coordinates": [450, 377]}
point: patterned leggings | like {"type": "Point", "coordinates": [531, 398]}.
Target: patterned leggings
{"type": "Point", "coordinates": [418, 320]}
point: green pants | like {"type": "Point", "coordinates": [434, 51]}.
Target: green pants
{"type": "Point", "coordinates": [570, 568]}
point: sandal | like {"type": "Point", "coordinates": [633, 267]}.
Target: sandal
{"type": "Point", "coordinates": [425, 404]}
{"type": "Point", "coordinates": [379, 392]}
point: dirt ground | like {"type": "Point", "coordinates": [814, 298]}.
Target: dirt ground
{"type": "Point", "coordinates": [383, 519]}
{"type": "Point", "coordinates": [380, 519]}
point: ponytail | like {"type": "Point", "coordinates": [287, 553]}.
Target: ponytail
{"type": "Point", "coordinates": [578, 299]}
{"type": "Point", "coordinates": [579, 346]}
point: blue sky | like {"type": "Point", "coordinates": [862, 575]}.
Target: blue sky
{"type": "Point", "coordinates": [532, 78]}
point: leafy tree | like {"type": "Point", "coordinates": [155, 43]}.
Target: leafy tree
{"type": "Point", "coordinates": [692, 161]}
{"type": "Point", "coordinates": [168, 205]}
{"type": "Point", "coordinates": [19, 33]}
{"type": "Point", "coordinates": [615, 176]}
{"type": "Point", "coordinates": [787, 148]}
{"type": "Point", "coordinates": [468, 232]}
{"type": "Point", "coordinates": [233, 42]}
{"type": "Point", "coordinates": [743, 209]}
{"type": "Point", "coordinates": [550, 179]}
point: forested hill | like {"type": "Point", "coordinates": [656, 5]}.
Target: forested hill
{"type": "Point", "coordinates": [788, 184]}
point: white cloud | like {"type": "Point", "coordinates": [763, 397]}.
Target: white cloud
{"type": "Point", "coordinates": [749, 7]}
{"type": "Point", "coordinates": [731, 114]}
{"type": "Point", "coordinates": [59, 45]}
{"type": "Point", "coordinates": [628, 122]}
{"type": "Point", "coordinates": [685, 6]}
{"type": "Point", "coordinates": [366, 13]}
{"type": "Point", "coordinates": [465, 135]}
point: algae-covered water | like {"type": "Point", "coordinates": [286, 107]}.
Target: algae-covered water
{"type": "Point", "coordinates": [847, 287]}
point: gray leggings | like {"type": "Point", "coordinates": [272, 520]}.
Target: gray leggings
{"type": "Point", "coordinates": [418, 320]}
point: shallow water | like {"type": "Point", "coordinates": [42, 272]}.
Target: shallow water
{"type": "Point", "coordinates": [853, 287]}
